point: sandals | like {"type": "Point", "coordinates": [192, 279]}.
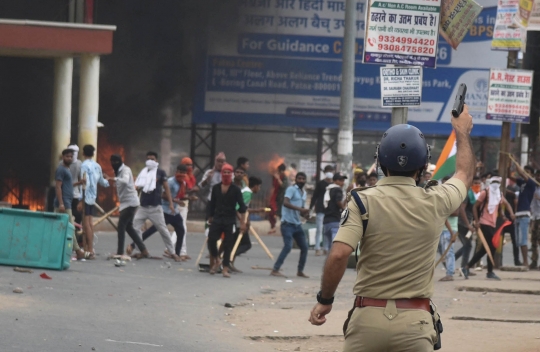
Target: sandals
{"type": "Point", "coordinates": [89, 256]}
{"type": "Point", "coordinates": [214, 265]}
{"type": "Point", "coordinates": [141, 256]}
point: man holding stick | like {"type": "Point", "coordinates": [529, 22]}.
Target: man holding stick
{"type": "Point", "coordinates": [523, 213]}
{"type": "Point", "coordinates": [64, 193]}
{"type": "Point", "coordinates": [485, 212]}
{"type": "Point", "coordinates": [222, 219]}
{"type": "Point", "coordinates": [151, 181]}
{"type": "Point", "coordinates": [94, 176]}
{"type": "Point", "coordinates": [129, 202]}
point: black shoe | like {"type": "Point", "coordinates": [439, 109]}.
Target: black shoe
{"type": "Point", "coordinates": [518, 263]}
{"type": "Point", "coordinates": [493, 276]}
{"type": "Point", "coordinates": [533, 266]}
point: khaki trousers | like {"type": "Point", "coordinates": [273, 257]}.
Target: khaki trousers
{"type": "Point", "coordinates": [70, 214]}
{"type": "Point", "coordinates": [373, 329]}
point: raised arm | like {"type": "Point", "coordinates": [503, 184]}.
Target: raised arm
{"type": "Point", "coordinates": [524, 175]}
{"type": "Point", "coordinates": [465, 160]}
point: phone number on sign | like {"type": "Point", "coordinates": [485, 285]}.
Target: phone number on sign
{"type": "Point", "coordinates": [406, 40]}
{"type": "Point", "coordinates": [406, 49]}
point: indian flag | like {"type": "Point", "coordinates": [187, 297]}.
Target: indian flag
{"type": "Point", "coordinates": [446, 165]}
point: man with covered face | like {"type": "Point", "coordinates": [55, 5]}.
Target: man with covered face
{"type": "Point", "coordinates": [152, 181]}
{"type": "Point", "coordinates": [178, 189]}
{"type": "Point", "coordinates": [291, 225]}
{"type": "Point", "coordinates": [222, 219]}
{"type": "Point", "coordinates": [129, 202]}
{"type": "Point", "coordinates": [485, 211]}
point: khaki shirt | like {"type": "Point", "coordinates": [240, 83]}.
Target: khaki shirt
{"type": "Point", "coordinates": [399, 247]}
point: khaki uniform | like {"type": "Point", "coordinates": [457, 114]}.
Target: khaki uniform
{"type": "Point", "coordinates": [397, 260]}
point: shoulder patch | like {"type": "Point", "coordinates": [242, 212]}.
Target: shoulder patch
{"type": "Point", "coordinates": [431, 183]}
{"type": "Point", "coordinates": [344, 216]}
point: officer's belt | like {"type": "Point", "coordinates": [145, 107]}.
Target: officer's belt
{"type": "Point", "coordinates": [412, 303]}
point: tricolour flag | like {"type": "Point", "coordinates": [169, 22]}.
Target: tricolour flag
{"type": "Point", "coordinates": [446, 165]}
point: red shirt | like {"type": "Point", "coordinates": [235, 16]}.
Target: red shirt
{"type": "Point", "coordinates": [191, 181]}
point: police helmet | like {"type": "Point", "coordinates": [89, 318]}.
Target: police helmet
{"type": "Point", "coordinates": [403, 148]}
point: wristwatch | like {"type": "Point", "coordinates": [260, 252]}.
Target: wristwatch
{"type": "Point", "coordinates": [324, 301]}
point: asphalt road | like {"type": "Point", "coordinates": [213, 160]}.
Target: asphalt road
{"type": "Point", "coordinates": [148, 305]}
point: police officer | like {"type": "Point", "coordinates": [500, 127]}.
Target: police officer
{"type": "Point", "coordinates": [398, 234]}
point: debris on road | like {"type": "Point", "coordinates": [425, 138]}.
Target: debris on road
{"type": "Point", "coordinates": [23, 270]}
{"type": "Point", "coordinates": [45, 276]}
{"type": "Point", "coordinates": [228, 305]}
{"type": "Point", "coordinates": [17, 290]}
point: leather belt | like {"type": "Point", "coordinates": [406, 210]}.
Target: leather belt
{"type": "Point", "coordinates": [412, 303]}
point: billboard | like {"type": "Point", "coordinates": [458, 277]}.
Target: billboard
{"type": "Point", "coordinates": [280, 64]}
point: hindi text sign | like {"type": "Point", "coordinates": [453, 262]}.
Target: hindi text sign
{"type": "Point", "coordinates": [402, 33]}
{"type": "Point", "coordinates": [506, 35]}
{"type": "Point", "coordinates": [401, 86]}
{"type": "Point", "coordinates": [509, 95]}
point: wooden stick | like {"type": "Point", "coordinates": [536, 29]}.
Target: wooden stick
{"type": "Point", "coordinates": [201, 252]}
{"type": "Point", "coordinates": [486, 246]}
{"type": "Point", "coordinates": [108, 219]}
{"type": "Point", "coordinates": [515, 162]}
{"type": "Point", "coordinates": [261, 242]}
{"type": "Point", "coordinates": [101, 219]}
{"type": "Point", "coordinates": [452, 240]}
{"type": "Point", "coordinates": [235, 248]}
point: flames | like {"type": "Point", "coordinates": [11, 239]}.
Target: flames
{"type": "Point", "coordinates": [273, 164]}
{"type": "Point", "coordinates": [32, 197]}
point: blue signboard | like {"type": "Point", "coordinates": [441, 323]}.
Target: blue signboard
{"type": "Point", "coordinates": [281, 66]}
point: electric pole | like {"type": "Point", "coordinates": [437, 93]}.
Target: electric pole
{"type": "Point", "coordinates": [345, 134]}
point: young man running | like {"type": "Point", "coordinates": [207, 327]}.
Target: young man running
{"type": "Point", "coordinates": [151, 181]}
{"type": "Point", "coordinates": [177, 186]}
{"type": "Point", "coordinates": [222, 219]}
{"type": "Point", "coordinates": [129, 202]}
{"type": "Point", "coordinates": [291, 225]}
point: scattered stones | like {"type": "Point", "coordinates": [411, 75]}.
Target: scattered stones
{"type": "Point", "coordinates": [17, 290]}
{"type": "Point", "coordinates": [228, 305]}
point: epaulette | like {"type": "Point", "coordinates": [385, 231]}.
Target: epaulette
{"type": "Point", "coordinates": [431, 183]}
{"type": "Point", "coordinates": [357, 189]}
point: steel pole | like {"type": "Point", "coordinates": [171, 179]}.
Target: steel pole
{"type": "Point", "coordinates": [399, 115]}
{"type": "Point", "coordinates": [345, 135]}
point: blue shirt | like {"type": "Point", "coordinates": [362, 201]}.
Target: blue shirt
{"type": "Point", "coordinates": [526, 194]}
{"type": "Point", "coordinates": [94, 175]}
{"type": "Point", "coordinates": [174, 186]}
{"type": "Point", "coordinates": [298, 199]}
{"type": "Point", "coordinates": [63, 174]}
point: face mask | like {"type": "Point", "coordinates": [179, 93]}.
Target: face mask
{"type": "Point", "coordinates": [300, 184]}
{"type": "Point", "coordinates": [328, 175]}
{"type": "Point", "coordinates": [151, 164]}
{"type": "Point", "coordinates": [494, 187]}
{"type": "Point", "coordinates": [226, 179]}
{"type": "Point", "coordinates": [476, 188]}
